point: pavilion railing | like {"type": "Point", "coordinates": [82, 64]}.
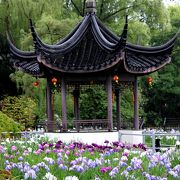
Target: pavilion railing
{"type": "Point", "coordinates": [155, 139]}
{"type": "Point", "coordinates": [171, 123]}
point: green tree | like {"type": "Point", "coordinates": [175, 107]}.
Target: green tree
{"type": "Point", "coordinates": [20, 109]}
{"type": "Point", "coordinates": [25, 86]}
{"type": "Point", "coordinates": [164, 95]}
{"type": "Point", "coordinates": [93, 103]}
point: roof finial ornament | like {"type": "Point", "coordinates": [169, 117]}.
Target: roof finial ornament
{"type": "Point", "coordinates": [90, 6]}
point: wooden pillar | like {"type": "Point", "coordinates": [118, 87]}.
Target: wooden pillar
{"type": "Point", "coordinates": [49, 108]}
{"type": "Point", "coordinates": [110, 114]}
{"type": "Point", "coordinates": [76, 106]}
{"type": "Point", "coordinates": [118, 110]}
{"type": "Point", "coordinates": [136, 106]}
{"type": "Point", "coordinates": [76, 103]}
{"type": "Point", "coordinates": [64, 110]}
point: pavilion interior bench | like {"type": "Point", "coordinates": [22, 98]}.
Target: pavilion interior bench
{"type": "Point", "coordinates": [81, 124]}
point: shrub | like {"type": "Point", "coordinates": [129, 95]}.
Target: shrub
{"type": "Point", "coordinates": [7, 124]}
{"type": "Point", "coordinates": [21, 109]}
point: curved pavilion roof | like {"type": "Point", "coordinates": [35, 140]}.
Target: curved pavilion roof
{"type": "Point", "coordinates": [90, 48]}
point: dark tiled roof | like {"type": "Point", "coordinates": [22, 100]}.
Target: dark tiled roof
{"type": "Point", "coordinates": [89, 48]}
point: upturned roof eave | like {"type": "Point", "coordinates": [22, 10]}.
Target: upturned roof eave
{"type": "Point", "coordinates": [148, 70]}
{"type": "Point", "coordinates": [137, 48]}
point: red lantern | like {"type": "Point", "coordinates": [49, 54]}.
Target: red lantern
{"type": "Point", "coordinates": [54, 81]}
{"type": "Point", "coordinates": [116, 78]}
{"type": "Point", "coordinates": [149, 80]}
{"type": "Point", "coordinates": [36, 83]}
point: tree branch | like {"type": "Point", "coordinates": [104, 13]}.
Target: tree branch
{"type": "Point", "coordinates": [121, 9]}
{"type": "Point", "coordinates": [101, 7]}
{"type": "Point", "coordinates": [42, 9]}
{"type": "Point", "coordinates": [84, 6]}
{"type": "Point", "coordinates": [77, 9]}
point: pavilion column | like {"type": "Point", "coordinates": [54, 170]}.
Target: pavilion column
{"type": "Point", "coordinates": [136, 105]}
{"type": "Point", "coordinates": [110, 114]}
{"type": "Point", "coordinates": [118, 110]}
{"type": "Point", "coordinates": [49, 108]}
{"type": "Point", "coordinates": [76, 106]}
{"type": "Point", "coordinates": [64, 110]}
{"type": "Point", "coordinates": [76, 103]}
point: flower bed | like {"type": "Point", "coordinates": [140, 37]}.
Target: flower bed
{"type": "Point", "coordinates": [43, 159]}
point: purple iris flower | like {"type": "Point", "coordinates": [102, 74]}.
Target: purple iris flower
{"type": "Point", "coordinates": [8, 167]}
{"type": "Point", "coordinates": [116, 143]}
{"type": "Point", "coordinates": [51, 144]}
{"type": "Point", "coordinates": [57, 146]}
{"type": "Point", "coordinates": [63, 167]}
{"type": "Point", "coordinates": [168, 166]}
{"type": "Point", "coordinates": [105, 169]}
{"type": "Point", "coordinates": [122, 163]}
{"type": "Point", "coordinates": [20, 158]}
{"type": "Point", "coordinates": [177, 168]}
{"type": "Point", "coordinates": [72, 146]}
{"type": "Point", "coordinates": [59, 142]}
{"type": "Point", "coordinates": [129, 168]}
{"type": "Point", "coordinates": [91, 163]}
{"type": "Point", "coordinates": [114, 172]}
{"type": "Point", "coordinates": [106, 141]}
{"type": "Point", "coordinates": [30, 174]}
{"type": "Point", "coordinates": [79, 168]}
{"type": "Point", "coordinates": [50, 161]}
{"type": "Point", "coordinates": [35, 168]}
{"type": "Point", "coordinates": [136, 163]}
{"type": "Point", "coordinates": [173, 173]}
{"type": "Point", "coordinates": [14, 165]}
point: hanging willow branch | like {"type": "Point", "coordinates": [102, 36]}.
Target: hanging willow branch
{"type": "Point", "coordinates": [24, 11]}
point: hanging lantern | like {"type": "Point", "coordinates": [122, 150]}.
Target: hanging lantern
{"type": "Point", "coordinates": [149, 80]}
{"type": "Point", "coordinates": [36, 83]}
{"type": "Point", "coordinates": [54, 81]}
{"type": "Point", "coordinates": [116, 78]}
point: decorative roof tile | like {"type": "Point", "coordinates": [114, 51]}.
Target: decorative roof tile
{"type": "Point", "coordinates": [89, 48]}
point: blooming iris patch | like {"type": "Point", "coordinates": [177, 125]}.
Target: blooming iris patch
{"type": "Point", "coordinates": [75, 161]}
{"type": "Point", "coordinates": [105, 169]}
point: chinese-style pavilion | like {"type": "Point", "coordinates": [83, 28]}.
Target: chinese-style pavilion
{"type": "Point", "coordinates": [90, 53]}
